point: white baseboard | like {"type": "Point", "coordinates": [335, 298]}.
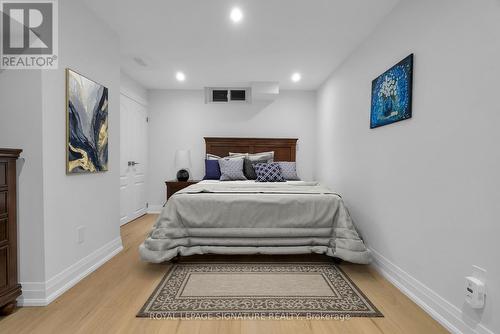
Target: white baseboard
{"type": "Point", "coordinates": [33, 294]}
{"type": "Point", "coordinates": [155, 209]}
{"type": "Point", "coordinates": [43, 293]}
{"type": "Point", "coordinates": [447, 314]}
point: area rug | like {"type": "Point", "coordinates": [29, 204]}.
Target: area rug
{"type": "Point", "coordinates": [257, 290]}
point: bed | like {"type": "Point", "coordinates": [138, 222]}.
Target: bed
{"type": "Point", "coordinates": [248, 217]}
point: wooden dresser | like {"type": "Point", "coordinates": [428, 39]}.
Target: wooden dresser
{"type": "Point", "coordinates": [10, 288]}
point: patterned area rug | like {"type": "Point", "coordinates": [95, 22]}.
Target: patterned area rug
{"type": "Point", "coordinates": [257, 290]}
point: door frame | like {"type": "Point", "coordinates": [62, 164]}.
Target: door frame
{"type": "Point", "coordinates": [128, 218]}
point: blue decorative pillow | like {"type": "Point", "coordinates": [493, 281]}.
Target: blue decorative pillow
{"type": "Point", "coordinates": [270, 172]}
{"type": "Point", "coordinates": [231, 169]}
{"type": "Point", "coordinates": [212, 170]}
{"type": "Point", "coordinates": [288, 170]}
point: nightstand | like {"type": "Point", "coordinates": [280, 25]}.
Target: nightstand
{"type": "Point", "coordinates": [174, 186]}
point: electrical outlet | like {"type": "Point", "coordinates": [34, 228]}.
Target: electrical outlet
{"type": "Point", "coordinates": [81, 234]}
{"type": "Point", "coordinates": [475, 288]}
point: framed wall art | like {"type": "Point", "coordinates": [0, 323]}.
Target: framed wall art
{"type": "Point", "coordinates": [392, 94]}
{"type": "Point", "coordinates": [87, 125]}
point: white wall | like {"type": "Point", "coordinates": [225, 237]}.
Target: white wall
{"type": "Point", "coordinates": [425, 192]}
{"type": "Point", "coordinates": [179, 119]}
{"type": "Point", "coordinates": [132, 89]}
{"type": "Point", "coordinates": [88, 46]}
{"type": "Point", "coordinates": [52, 204]}
{"type": "Point", "coordinates": [21, 127]}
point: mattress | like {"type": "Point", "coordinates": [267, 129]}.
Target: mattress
{"type": "Point", "coordinates": [249, 182]}
{"type": "Point", "coordinates": [248, 217]}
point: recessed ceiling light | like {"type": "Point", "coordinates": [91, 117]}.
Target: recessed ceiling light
{"type": "Point", "coordinates": [236, 15]}
{"type": "Point", "coordinates": [180, 76]}
{"type": "Point", "coordinates": [296, 77]}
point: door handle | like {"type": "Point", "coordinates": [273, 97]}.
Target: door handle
{"type": "Point", "coordinates": [133, 163]}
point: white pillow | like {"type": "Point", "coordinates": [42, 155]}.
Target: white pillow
{"type": "Point", "coordinates": [216, 157]}
{"type": "Point", "coordinates": [269, 156]}
{"type": "Point", "coordinates": [212, 157]}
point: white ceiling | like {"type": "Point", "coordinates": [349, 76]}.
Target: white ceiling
{"type": "Point", "coordinates": [275, 39]}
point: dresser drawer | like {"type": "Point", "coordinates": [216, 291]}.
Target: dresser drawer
{"type": "Point", "coordinates": [10, 288]}
{"type": "Point", "coordinates": [3, 202]}
{"type": "Point", "coordinates": [3, 174]}
{"type": "Point", "coordinates": [4, 231]}
{"type": "Point", "coordinates": [4, 263]}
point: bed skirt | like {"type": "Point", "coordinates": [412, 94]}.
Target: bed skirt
{"type": "Point", "coordinates": [167, 255]}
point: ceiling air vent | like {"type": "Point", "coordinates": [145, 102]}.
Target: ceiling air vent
{"type": "Point", "coordinates": [238, 94]}
{"type": "Point", "coordinates": [227, 95]}
{"type": "Point", "coordinates": [219, 95]}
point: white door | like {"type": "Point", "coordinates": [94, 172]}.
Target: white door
{"type": "Point", "coordinates": [133, 159]}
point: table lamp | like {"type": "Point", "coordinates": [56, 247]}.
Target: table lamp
{"type": "Point", "coordinates": [182, 164]}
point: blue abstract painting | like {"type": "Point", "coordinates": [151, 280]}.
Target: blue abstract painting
{"type": "Point", "coordinates": [392, 94]}
{"type": "Point", "coordinates": [87, 125]}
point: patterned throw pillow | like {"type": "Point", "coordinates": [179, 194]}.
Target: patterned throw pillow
{"type": "Point", "coordinates": [268, 172]}
{"type": "Point", "coordinates": [248, 169]}
{"type": "Point", "coordinates": [231, 169]}
{"type": "Point", "coordinates": [288, 170]}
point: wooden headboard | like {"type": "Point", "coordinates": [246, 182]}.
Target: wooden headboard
{"type": "Point", "coordinates": [284, 148]}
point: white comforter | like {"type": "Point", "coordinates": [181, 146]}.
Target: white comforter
{"type": "Point", "coordinates": [254, 218]}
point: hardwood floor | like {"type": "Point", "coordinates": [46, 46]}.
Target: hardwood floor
{"type": "Point", "coordinates": [107, 301]}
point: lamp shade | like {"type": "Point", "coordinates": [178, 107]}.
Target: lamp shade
{"type": "Point", "coordinates": [182, 159]}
